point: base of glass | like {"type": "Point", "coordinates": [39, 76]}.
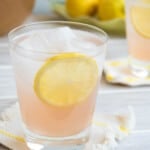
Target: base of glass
{"type": "Point", "coordinates": [75, 142]}
{"type": "Point", "coordinates": [139, 68]}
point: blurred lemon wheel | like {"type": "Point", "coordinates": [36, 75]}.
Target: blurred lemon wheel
{"type": "Point", "coordinates": [66, 79]}
{"type": "Point", "coordinates": [140, 17]}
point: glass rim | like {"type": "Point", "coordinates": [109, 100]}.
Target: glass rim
{"type": "Point", "coordinates": [11, 41]}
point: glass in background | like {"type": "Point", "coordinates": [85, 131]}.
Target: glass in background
{"type": "Point", "coordinates": [138, 35]}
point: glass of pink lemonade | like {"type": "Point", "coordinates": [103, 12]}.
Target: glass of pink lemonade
{"type": "Point", "coordinates": [138, 35]}
{"type": "Point", "coordinates": [58, 66]}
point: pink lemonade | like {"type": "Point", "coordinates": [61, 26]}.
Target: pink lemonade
{"type": "Point", "coordinates": [139, 47]}
{"type": "Point", "coordinates": [49, 120]}
{"type": "Point", "coordinates": [41, 115]}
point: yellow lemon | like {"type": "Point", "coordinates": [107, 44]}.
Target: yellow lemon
{"type": "Point", "coordinates": [77, 8]}
{"type": "Point", "coordinates": [110, 9]}
{"type": "Point", "coordinates": [140, 17]}
{"type": "Point", "coordinates": [66, 79]}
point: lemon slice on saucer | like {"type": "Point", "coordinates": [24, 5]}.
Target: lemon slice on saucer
{"type": "Point", "coordinates": [66, 79]}
{"type": "Point", "coordinates": [140, 16]}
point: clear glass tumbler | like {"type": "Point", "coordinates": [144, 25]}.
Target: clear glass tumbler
{"type": "Point", "coordinates": [58, 67]}
{"type": "Point", "coordinates": [138, 35]}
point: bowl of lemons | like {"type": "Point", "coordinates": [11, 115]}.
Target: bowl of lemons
{"type": "Point", "coordinates": [106, 14]}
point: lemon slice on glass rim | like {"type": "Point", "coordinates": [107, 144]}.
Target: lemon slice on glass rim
{"type": "Point", "coordinates": [140, 17]}
{"type": "Point", "coordinates": [66, 79]}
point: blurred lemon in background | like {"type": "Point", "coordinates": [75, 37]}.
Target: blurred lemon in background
{"type": "Point", "coordinates": [77, 8]}
{"type": "Point", "coordinates": [110, 9]}
{"type": "Point", "coordinates": [103, 9]}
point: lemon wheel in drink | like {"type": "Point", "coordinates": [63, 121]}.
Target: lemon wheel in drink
{"type": "Point", "coordinates": [66, 79]}
{"type": "Point", "coordinates": [140, 17]}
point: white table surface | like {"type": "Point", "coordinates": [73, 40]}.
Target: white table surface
{"type": "Point", "coordinates": [111, 97]}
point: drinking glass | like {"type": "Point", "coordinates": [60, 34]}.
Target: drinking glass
{"type": "Point", "coordinates": [138, 36]}
{"type": "Point", "coordinates": [57, 78]}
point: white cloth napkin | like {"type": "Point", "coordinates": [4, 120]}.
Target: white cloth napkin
{"type": "Point", "coordinates": [117, 71]}
{"type": "Point", "coordinates": [107, 129]}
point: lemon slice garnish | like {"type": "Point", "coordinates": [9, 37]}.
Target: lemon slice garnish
{"type": "Point", "coordinates": [140, 17]}
{"type": "Point", "coordinates": [66, 79]}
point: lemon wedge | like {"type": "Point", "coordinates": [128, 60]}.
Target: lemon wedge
{"type": "Point", "coordinates": [140, 17]}
{"type": "Point", "coordinates": [66, 79]}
